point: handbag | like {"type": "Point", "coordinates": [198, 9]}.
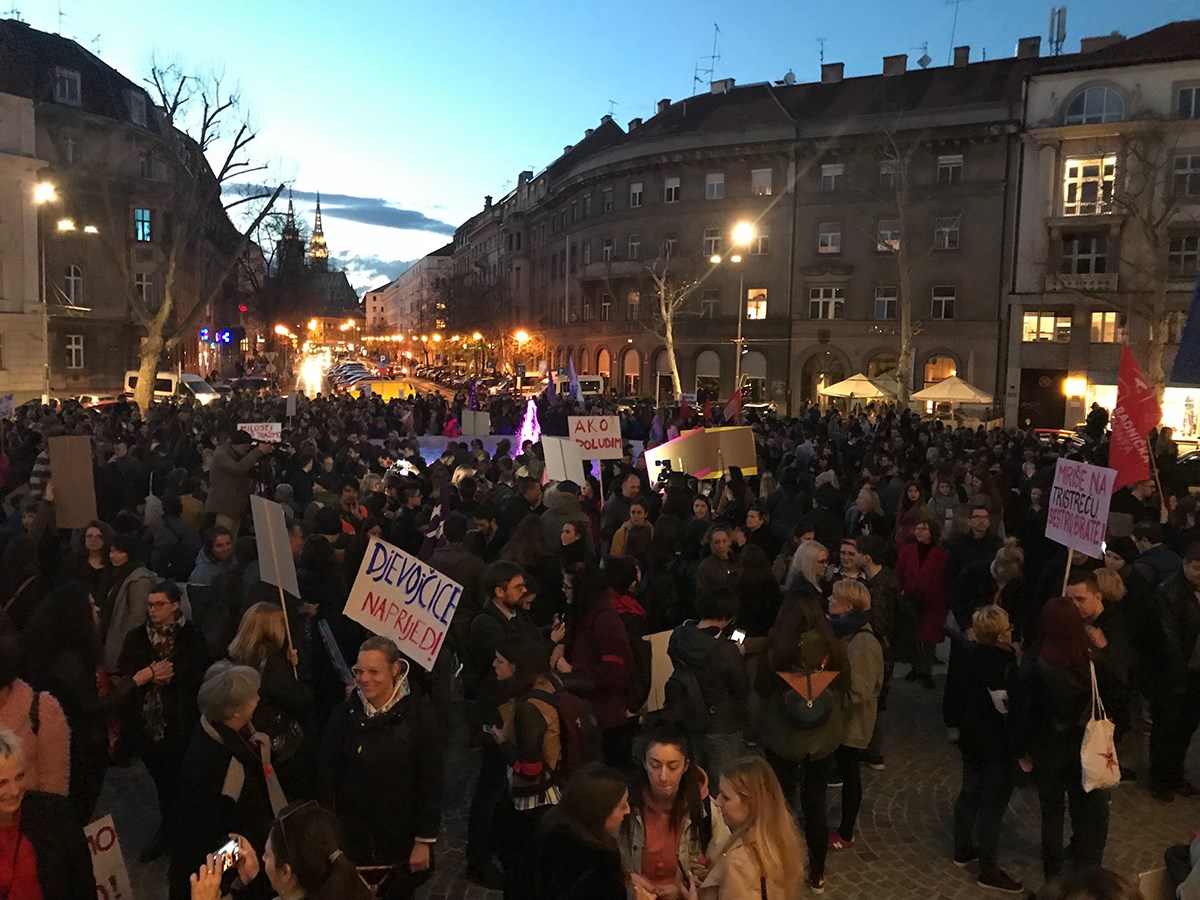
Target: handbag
{"type": "Point", "coordinates": [1098, 752]}
{"type": "Point", "coordinates": [285, 733]}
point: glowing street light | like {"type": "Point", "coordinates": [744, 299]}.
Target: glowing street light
{"type": "Point", "coordinates": [90, 229]}
{"type": "Point", "coordinates": [312, 325]}
{"type": "Point", "coordinates": [437, 338]}
{"type": "Point", "coordinates": [65, 225]}
{"type": "Point", "coordinates": [521, 336]}
{"type": "Point", "coordinates": [477, 336]}
{"type": "Point", "coordinates": [743, 233]}
{"type": "Point", "coordinates": [282, 330]}
{"type": "Point", "coordinates": [715, 259]}
{"type": "Point", "coordinates": [44, 192]}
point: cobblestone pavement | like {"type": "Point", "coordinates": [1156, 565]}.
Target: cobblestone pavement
{"type": "Point", "coordinates": [902, 849]}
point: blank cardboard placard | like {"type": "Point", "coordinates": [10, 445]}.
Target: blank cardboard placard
{"type": "Point", "coordinates": [707, 452]}
{"type": "Point", "coordinates": [563, 462]}
{"type": "Point", "coordinates": [74, 485]}
{"type": "Point", "coordinates": [475, 422]}
{"type": "Point", "coordinates": [275, 563]}
{"type": "Point", "coordinates": [661, 669]}
{"type": "Point", "coordinates": [734, 447]}
{"type": "Point", "coordinates": [291, 403]}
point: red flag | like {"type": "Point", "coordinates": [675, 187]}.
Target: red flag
{"type": "Point", "coordinates": [1137, 412]}
{"type": "Point", "coordinates": [707, 411]}
{"type": "Point", "coordinates": [684, 409]}
{"type": "Point", "coordinates": [733, 411]}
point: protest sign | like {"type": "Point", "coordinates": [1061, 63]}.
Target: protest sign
{"type": "Point", "coordinates": [1077, 508]}
{"type": "Point", "coordinates": [598, 437]}
{"type": "Point", "coordinates": [7, 407]}
{"type": "Point", "coordinates": [563, 459]}
{"type": "Point", "coordinates": [707, 452]}
{"type": "Point", "coordinates": [476, 423]}
{"type": "Point", "coordinates": [661, 669]}
{"type": "Point", "coordinates": [291, 403]}
{"type": "Point", "coordinates": [275, 562]}
{"type": "Point", "coordinates": [398, 596]}
{"type": "Point", "coordinates": [108, 863]}
{"type": "Point", "coordinates": [74, 487]}
{"type": "Point", "coordinates": [263, 431]}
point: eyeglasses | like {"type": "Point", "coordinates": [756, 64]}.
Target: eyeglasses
{"type": "Point", "coordinates": [158, 604]}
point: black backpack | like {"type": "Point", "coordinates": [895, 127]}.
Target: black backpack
{"type": "Point", "coordinates": [684, 700]}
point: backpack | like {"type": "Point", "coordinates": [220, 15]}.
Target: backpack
{"type": "Point", "coordinates": [579, 732]}
{"type": "Point", "coordinates": [684, 700]}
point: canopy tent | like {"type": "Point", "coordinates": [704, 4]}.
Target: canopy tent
{"type": "Point", "coordinates": [888, 383]}
{"type": "Point", "coordinates": [857, 387]}
{"type": "Point", "coordinates": [953, 390]}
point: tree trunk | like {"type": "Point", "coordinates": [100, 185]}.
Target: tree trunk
{"type": "Point", "coordinates": [1157, 339]}
{"type": "Point", "coordinates": [668, 315]}
{"type": "Point", "coordinates": [904, 358]}
{"type": "Point", "coordinates": [148, 356]}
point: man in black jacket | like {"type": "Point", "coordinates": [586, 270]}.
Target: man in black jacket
{"type": "Point", "coordinates": [885, 589]}
{"type": "Point", "coordinates": [977, 543]}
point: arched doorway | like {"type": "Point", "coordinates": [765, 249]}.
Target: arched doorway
{"type": "Point", "coordinates": [708, 376]}
{"type": "Point", "coordinates": [604, 364]}
{"type": "Point", "coordinates": [820, 370]}
{"type": "Point", "coordinates": [754, 376]}
{"type": "Point", "coordinates": [631, 369]}
{"type": "Point", "coordinates": [567, 361]}
{"type": "Point", "coordinates": [664, 385]}
{"type": "Point", "coordinates": [585, 361]}
{"type": "Point", "coordinates": [938, 367]}
{"type": "Point", "coordinates": [884, 365]}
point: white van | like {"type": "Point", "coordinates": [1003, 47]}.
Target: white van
{"type": "Point", "coordinates": [168, 385]}
{"type": "Point", "coordinates": [590, 386]}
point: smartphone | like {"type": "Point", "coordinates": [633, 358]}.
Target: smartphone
{"type": "Point", "coordinates": [737, 636]}
{"type": "Point", "coordinates": [227, 855]}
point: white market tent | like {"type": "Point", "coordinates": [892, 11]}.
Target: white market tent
{"type": "Point", "coordinates": [953, 390]}
{"type": "Point", "coordinates": [857, 387]}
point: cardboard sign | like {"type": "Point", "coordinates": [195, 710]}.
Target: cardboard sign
{"type": "Point", "coordinates": [291, 403]}
{"type": "Point", "coordinates": [74, 485]}
{"type": "Point", "coordinates": [661, 669]}
{"type": "Point", "coordinates": [707, 452]}
{"type": "Point", "coordinates": [7, 407]}
{"type": "Point", "coordinates": [108, 863]}
{"type": "Point", "coordinates": [398, 596]}
{"type": "Point", "coordinates": [564, 461]}
{"type": "Point", "coordinates": [598, 437]}
{"type": "Point", "coordinates": [475, 422]}
{"type": "Point", "coordinates": [275, 563]}
{"type": "Point", "coordinates": [263, 431]}
{"type": "Point", "coordinates": [1077, 508]}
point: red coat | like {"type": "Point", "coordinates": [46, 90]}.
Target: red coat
{"type": "Point", "coordinates": [927, 579]}
{"type": "Point", "coordinates": [598, 647]}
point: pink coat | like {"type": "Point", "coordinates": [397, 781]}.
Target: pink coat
{"type": "Point", "coordinates": [927, 579]}
{"type": "Point", "coordinates": [47, 754]}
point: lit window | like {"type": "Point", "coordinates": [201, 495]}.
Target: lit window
{"type": "Point", "coordinates": [141, 225]}
{"type": "Point", "coordinates": [671, 189]}
{"type": "Point", "coordinates": [944, 299]}
{"type": "Point", "coordinates": [635, 247]}
{"type": "Point", "coordinates": [829, 237]}
{"type": "Point", "coordinates": [1187, 175]}
{"type": "Point", "coordinates": [66, 86]}
{"type": "Point", "coordinates": [1188, 105]}
{"type": "Point", "coordinates": [756, 303]}
{"type": "Point", "coordinates": [710, 299]}
{"type": "Point", "coordinates": [826, 302]}
{"type": "Point", "coordinates": [1183, 255]}
{"type": "Point", "coordinates": [1108, 328]}
{"type": "Point", "coordinates": [73, 285]}
{"type": "Point", "coordinates": [1084, 254]}
{"type": "Point", "coordinates": [74, 351]}
{"type": "Point", "coordinates": [1041, 326]}
{"type": "Point", "coordinates": [950, 169]}
{"type": "Point", "coordinates": [1088, 186]}
{"type": "Point", "coordinates": [714, 186]}
{"type": "Point", "coordinates": [831, 177]}
{"type": "Point", "coordinates": [760, 182]}
{"type": "Point", "coordinates": [1095, 105]}
{"type": "Point", "coordinates": [761, 245]}
{"type": "Point", "coordinates": [712, 241]}
{"type": "Point", "coordinates": [887, 301]}
{"type": "Point", "coordinates": [945, 232]}
{"type": "Point", "coordinates": [635, 194]}
{"type": "Point", "coordinates": [888, 235]}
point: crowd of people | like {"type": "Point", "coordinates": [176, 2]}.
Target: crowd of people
{"type": "Point", "coordinates": [791, 596]}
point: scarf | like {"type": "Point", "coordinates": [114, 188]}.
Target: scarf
{"type": "Point", "coordinates": [848, 623]}
{"type": "Point", "coordinates": [162, 641]}
{"type": "Point", "coordinates": [235, 775]}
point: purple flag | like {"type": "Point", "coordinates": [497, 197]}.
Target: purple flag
{"type": "Point", "coordinates": [433, 531]}
{"type": "Point", "coordinates": [551, 394]}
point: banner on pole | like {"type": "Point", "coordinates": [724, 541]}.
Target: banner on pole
{"type": "Point", "coordinates": [1077, 509]}
{"type": "Point", "coordinates": [275, 562]}
{"type": "Point", "coordinates": [598, 437]}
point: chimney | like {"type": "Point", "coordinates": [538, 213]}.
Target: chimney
{"type": "Point", "coordinates": [1029, 47]}
{"type": "Point", "coordinates": [525, 176]}
{"type": "Point", "coordinates": [663, 105]}
{"type": "Point", "coordinates": [721, 86]}
{"type": "Point", "coordinates": [605, 119]}
{"type": "Point", "coordinates": [487, 201]}
{"type": "Point", "coordinates": [831, 73]}
{"type": "Point", "coordinates": [567, 149]}
{"type": "Point", "coordinates": [895, 65]}
{"type": "Point", "coordinates": [962, 56]}
{"type": "Point", "coordinates": [588, 132]}
{"type": "Point", "coordinates": [1092, 44]}
{"type": "Point", "coordinates": [634, 123]}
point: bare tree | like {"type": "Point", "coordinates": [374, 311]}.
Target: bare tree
{"type": "Point", "coordinates": [673, 291]}
{"type": "Point", "coordinates": [200, 121]}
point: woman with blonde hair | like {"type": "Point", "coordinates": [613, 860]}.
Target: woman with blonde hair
{"type": "Point", "coordinates": [764, 857]}
{"type": "Point", "coordinates": [807, 571]}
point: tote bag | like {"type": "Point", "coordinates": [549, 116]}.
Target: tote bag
{"type": "Point", "coordinates": [1098, 752]}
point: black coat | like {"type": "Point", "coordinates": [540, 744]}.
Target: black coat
{"type": "Point", "coordinates": [1177, 617]}
{"type": "Point", "coordinates": [382, 776]}
{"type": "Point", "coordinates": [190, 659]}
{"type": "Point", "coordinates": [560, 865]}
{"type": "Point", "coordinates": [989, 683]}
{"type": "Point", "coordinates": [64, 865]}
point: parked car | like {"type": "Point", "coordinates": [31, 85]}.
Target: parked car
{"type": "Point", "coordinates": [168, 385]}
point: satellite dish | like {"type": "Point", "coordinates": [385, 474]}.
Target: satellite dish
{"type": "Point", "coordinates": [924, 61]}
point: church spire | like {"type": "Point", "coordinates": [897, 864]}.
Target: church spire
{"type": "Point", "coordinates": [289, 226]}
{"type": "Point", "coordinates": [318, 253]}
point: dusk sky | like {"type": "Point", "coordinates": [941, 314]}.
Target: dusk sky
{"type": "Point", "coordinates": [404, 114]}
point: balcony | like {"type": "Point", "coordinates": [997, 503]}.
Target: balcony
{"type": "Point", "coordinates": [1085, 284]}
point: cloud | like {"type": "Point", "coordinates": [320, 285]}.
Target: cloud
{"type": "Point", "coordinates": [366, 272]}
{"type": "Point", "coordinates": [366, 210]}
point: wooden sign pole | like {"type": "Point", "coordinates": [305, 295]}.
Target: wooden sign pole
{"type": "Point", "coordinates": [287, 625]}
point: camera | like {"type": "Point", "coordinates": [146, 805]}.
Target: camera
{"type": "Point", "coordinates": [664, 471]}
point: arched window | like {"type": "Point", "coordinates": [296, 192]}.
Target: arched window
{"type": "Point", "coordinates": [73, 285]}
{"type": "Point", "coordinates": [1094, 105]}
{"type": "Point", "coordinates": [664, 385]}
{"type": "Point", "coordinates": [754, 375]}
{"type": "Point", "coordinates": [604, 363]}
{"type": "Point", "coordinates": [708, 375]}
{"type": "Point", "coordinates": [585, 361]}
{"type": "Point", "coordinates": [938, 367]}
{"type": "Point", "coordinates": [631, 365]}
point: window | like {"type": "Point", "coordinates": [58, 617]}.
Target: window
{"type": "Point", "coordinates": [756, 303]}
{"type": "Point", "coordinates": [146, 165]}
{"type": "Point", "coordinates": [712, 241]}
{"type": "Point", "coordinates": [887, 301]}
{"type": "Point", "coordinates": [944, 298]}
{"type": "Point", "coordinates": [605, 307]}
{"type": "Point", "coordinates": [1095, 105]}
{"type": "Point", "coordinates": [671, 189]}
{"type": "Point", "coordinates": [73, 285]}
{"type": "Point", "coordinates": [826, 302]}
{"type": "Point", "coordinates": [574, 211]}
{"type": "Point", "coordinates": [829, 237]}
{"type": "Point", "coordinates": [1041, 326]}
{"type": "Point", "coordinates": [587, 205]}
{"type": "Point", "coordinates": [670, 248]}
{"type": "Point", "coordinates": [70, 151]}
{"type": "Point", "coordinates": [945, 232]}
{"type": "Point", "coordinates": [66, 86]}
{"type": "Point", "coordinates": [887, 175]}
{"type": "Point", "coordinates": [714, 186]}
{"type": "Point", "coordinates": [760, 182]}
{"type": "Point", "coordinates": [710, 299]}
{"type": "Point", "coordinates": [74, 351]}
{"type": "Point", "coordinates": [137, 107]}
{"type": "Point", "coordinates": [1188, 105]}
{"type": "Point", "coordinates": [635, 195]}
{"type": "Point", "coordinates": [2, 352]}
{"type": "Point", "coordinates": [761, 245]}
{"type": "Point", "coordinates": [635, 247]}
{"type": "Point", "coordinates": [1088, 186]}
{"type": "Point", "coordinates": [606, 250]}
{"type": "Point", "coordinates": [888, 235]}
{"type": "Point", "coordinates": [587, 252]}
{"type": "Point", "coordinates": [606, 200]}
{"type": "Point", "coordinates": [950, 169]}
{"type": "Point", "coordinates": [141, 225]}
{"type": "Point", "coordinates": [1183, 255]}
{"type": "Point", "coordinates": [1175, 322]}
{"type": "Point", "coordinates": [1084, 254]}
{"type": "Point", "coordinates": [1187, 175]}
{"type": "Point", "coordinates": [633, 302]}
{"type": "Point", "coordinates": [143, 285]}
{"type": "Point", "coordinates": [831, 177]}
{"type": "Point", "coordinates": [1108, 328]}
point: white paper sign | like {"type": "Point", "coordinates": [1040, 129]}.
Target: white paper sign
{"type": "Point", "coordinates": [275, 563]}
{"type": "Point", "coordinates": [7, 407]}
{"type": "Point", "coordinates": [475, 422]}
{"type": "Point", "coordinates": [598, 437]}
{"type": "Point", "coordinates": [1077, 508]}
{"type": "Point", "coordinates": [108, 864]}
{"type": "Point", "coordinates": [564, 461]}
{"type": "Point", "coordinates": [291, 403]}
{"type": "Point", "coordinates": [263, 431]}
{"type": "Point", "coordinates": [398, 596]}
{"type": "Point", "coordinates": [661, 669]}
